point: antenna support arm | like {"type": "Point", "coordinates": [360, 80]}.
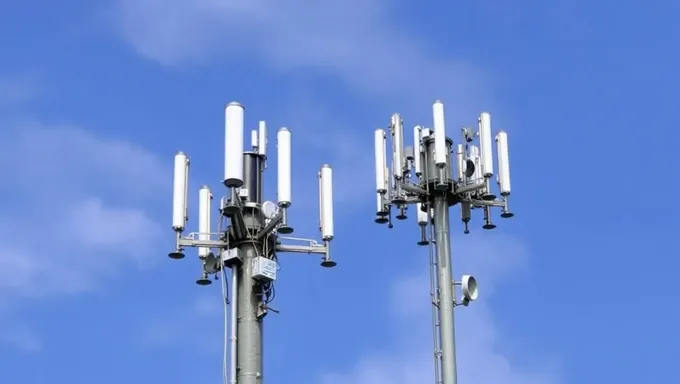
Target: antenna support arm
{"type": "Point", "coordinates": [469, 188]}
{"type": "Point", "coordinates": [495, 203]}
{"type": "Point", "coordinates": [201, 243]}
{"type": "Point", "coordinates": [308, 249]}
{"type": "Point", "coordinates": [413, 189]}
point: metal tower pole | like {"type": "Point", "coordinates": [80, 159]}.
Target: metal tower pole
{"type": "Point", "coordinates": [249, 353]}
{"type": "Point", "coordinates": [446, 293]}
{"type": "Point", "coordinates": [250, 309]}
{"type": "Point", "coordinates": [429, 177]}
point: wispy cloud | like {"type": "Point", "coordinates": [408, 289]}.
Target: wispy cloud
{"type": "Point", "coordinates": [410, 359]}
{"type": "Point", "coordinates": [74, 207]}
{"type": "Point", "coordinates": [357, 41]}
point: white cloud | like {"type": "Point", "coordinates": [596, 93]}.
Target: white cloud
{"type": "Point", "coordinates": [360, 41]}
{"type": "Point", "coordinates": [409, 360]}
{"type": "Point", "coordinates": [74, 207]}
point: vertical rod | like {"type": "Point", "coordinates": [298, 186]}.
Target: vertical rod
{"type": "Point", "coordinates": [249, 352]}
{"type": "Point", "coordinates": [446, 293]}
{"type": "Point", "coordinates": [233, 339]}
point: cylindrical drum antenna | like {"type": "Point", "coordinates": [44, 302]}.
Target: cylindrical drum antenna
{"type": "Point", "coordinates": [233, 145]}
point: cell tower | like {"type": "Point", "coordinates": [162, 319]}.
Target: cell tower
{"type": "Point", "coordinates": [422, 175]}
{"type": "Point", "coordinates": [248, 236]}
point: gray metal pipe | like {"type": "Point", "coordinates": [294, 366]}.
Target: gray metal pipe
{"type": "Point", "coordinates": [446, 292]}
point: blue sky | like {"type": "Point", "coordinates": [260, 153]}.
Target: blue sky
{"type": "Point", "coordinates": [95, 98]}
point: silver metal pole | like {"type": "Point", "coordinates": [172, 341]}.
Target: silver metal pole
{"type": "Point", "coordinates": [249, 323]}
{"type": "Point", "coordinates": [446, 293]}
{"type": "Point", "coordinates": [249, 354]}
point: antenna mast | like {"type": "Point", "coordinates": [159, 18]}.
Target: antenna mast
{"type": "Point", "coordinates": [423, 176]}
{"type": "Point", "coordinates": [249, 244]}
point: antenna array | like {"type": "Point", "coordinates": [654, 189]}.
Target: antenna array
{"type": "Point", "coordinates": [423, 176]}
{"type": "Point", "coordinates": [249, 242]}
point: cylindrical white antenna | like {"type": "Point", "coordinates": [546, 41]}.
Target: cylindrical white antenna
{"type": "Point", "coordinates": [380, 161]}
{"type": "Point", "coordinates": [233, 144]}
{"type": "Point", "coordinates": [204, 207]}
{"type": "Point", "coordinates": [179, 192]}
{"type": "Point", "coordinates": [254, 140]}
{"type": "Point", "coordinates": [380, 208]}
{"type": "Point", "coordinates": [262, 147]}
{"type": "Point", "coordinates": [439, 133]}
{"type": "Point", "coordinates": [425, 133]}
{"type": "Point", "coordinates": [417, 130]}
{"type": "Point", "coordinates": [397, 146]}
{"type": "Point", "coordinates": [460, 161]}
{"type": "Point", "coordinates": [485, 146]}
{"type": "Point", "coordinates": [421, 215]}
{"type": "Point", "coordinates": [283, 149]}
{"type": "Point", "coordinates": [503, 163]}
{"type": "Point", "coordinates": [186, 191]}
{"type": "Point", "coordinates": [326, 176]}
{"type": "Point", "coordinates": [318, 176]}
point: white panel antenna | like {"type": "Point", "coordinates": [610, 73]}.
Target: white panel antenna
{"type": "Point", "coordinates": [204, 208]}
{"type": "Point", "coordinates": [503, 163]}
{"type": "Point", "coordinates": [439, 133]}
{"type": "Point", "coordinates": [186, 191]}
{"type": "Point", "coordinates": [283, 148]}
{"type": "Point", "coordinates": [233, 145]}
{"type": "Point", "coordinates": [397, 128]}
{"type": "Point", "coordinates": [262, 142]}
{"type": "Point", "coordinates": [179, 195]}
{"type": "Point", "coordinates": [485, 146]}
{"type": "Point", "coordinates": [321, 217]}
{"type": "Point", "coordinates": [380, 161]}
{"type": "Point", "coordinates": [326, 177]}
{"type": "Point", "coordinates": [417, 150]}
